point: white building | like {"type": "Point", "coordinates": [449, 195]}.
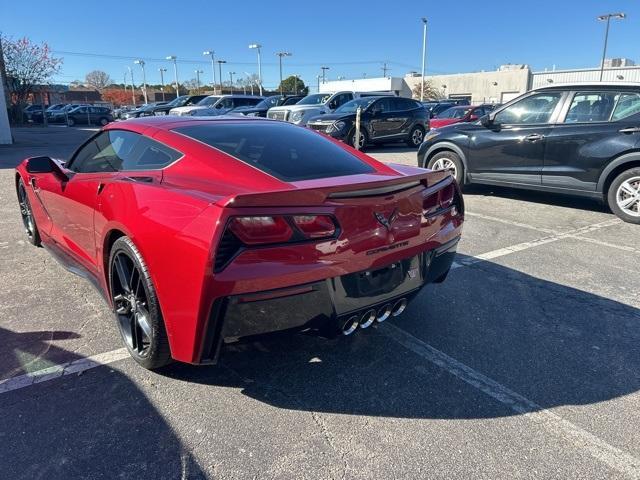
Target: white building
{"type": "Point", "coordinates": [396, 85]}
{"type": "Point", "coordinates": [620, 74]}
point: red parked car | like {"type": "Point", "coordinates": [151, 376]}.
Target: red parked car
{"type": "Point", "coordinates": [459, 114]}
{"type": "Point", "coordinates": [204, 231]}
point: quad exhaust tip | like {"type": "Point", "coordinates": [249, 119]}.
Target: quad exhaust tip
{"type": "Point", "coordinates": [399, 307]}
{"type": "Point", "coordinates": [384, 313]}
{"type": "Point", "coordinates": [368, 318]}
{"type": "Point", "coordinates": [351, 325]}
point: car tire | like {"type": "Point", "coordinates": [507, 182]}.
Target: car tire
{"type": "Point", "coordinates": [71, 122]}
{"type": "Point", "coordinates": [416, 136]}
{"type": "Point", "coordinates": [623, 196]}
{"type": "Point", "coordinates": [136, 306]}
{"type": "Point", "coordinates": [29, 221]}
{"type": "Point", "coordinates": [448, 160]}
{"type": "Point", "coordinates": [364, 138]}
{"type": "Point", "coordinates": [103, 121]}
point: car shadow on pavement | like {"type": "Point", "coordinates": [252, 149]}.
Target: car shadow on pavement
{"type": "Point", "coordinates": [548, 198]}
{"type": "Point", "coordinates": [94, 424]}
{"type": "Point", "coordinates": [553, 344]}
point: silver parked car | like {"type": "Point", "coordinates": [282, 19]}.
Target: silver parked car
{"type": "Point", "coordinates": [216, 105]}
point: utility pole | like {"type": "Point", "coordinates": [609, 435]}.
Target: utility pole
{"type": "Point", "coordinates": [280, 55]}
{"type": "Point", "coordinates": [133, 88]}
{"type": "Point", "coordinates": [175, 72]}
{"type": "Point", "coordinates": [231, 74]}
{"type": "Point", "coordinates": [607, 18]}
{"type": "Point", "coordinates": [211, 53]}
{"type": "Point", "coordinates": [220, 62]}
{"type": "Point", "coordinates": [198, 72]}
{"type": "Point", "coordinates": [424, 56]}
{"type": "Point", "coordinates": [257, 47]}
{"type": "Point", "coordinates": [144, 80]}
{"type": "Point", "coordinates": [324, 69]}
{"type": "Point", "coordinates": [162, 71]}
{"type": "Point", "coordinates": [318, 77]}
{"type": "Point", "coordinates": [384, 69]}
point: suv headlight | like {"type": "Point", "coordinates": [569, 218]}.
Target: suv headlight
{"type": "Point", "coordinates": [296, 116]}
{"type": "Point", "coordinates": [339, 125]}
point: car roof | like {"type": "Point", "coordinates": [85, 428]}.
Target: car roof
{"type": "Point", "coordinates": [168, 122]}
{"type": "Point", "coordinates": [588, 85]}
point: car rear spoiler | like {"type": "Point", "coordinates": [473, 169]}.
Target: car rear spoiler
{"type": "Point", "coordinates": [316, 192]}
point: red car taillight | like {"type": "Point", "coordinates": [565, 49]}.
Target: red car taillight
{"type": "Point", "coordinates": [315, 226]}
{"type": "Point", "coordinates": [260, 230]}
{"type": "Point", "coordinates": [441, 200]}
{"type": "Point", "coordinates": [251, 231]}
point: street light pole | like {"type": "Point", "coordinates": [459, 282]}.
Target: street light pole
{"type": "Point", "coordinates": [175, 72]}
{"type": "Point", "coordinates": [220, 62]}
{"type": "Point", "coordinates": [318, 77]}
{"type": "Point", "coordinates": [162, 70]}
{"type": "Point", "coordinates": [257, 46]}
{"type": "Point", "coordinates": [213, 68]}
{"type": "Point", "coordinates": [280, 55]}
{"type": "Point", "coordinates": [231, 74]}
{"type": "Point", "coordinates": [144, 80]}
{"type": "Point", "coordinates": [323, 70]}
{"type": "Point", "coordinates": [607, 18]}
{"type": "Point", "coordinates": [424, 56]}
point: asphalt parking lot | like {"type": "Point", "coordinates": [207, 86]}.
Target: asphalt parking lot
{"type": "Point", "coordinates": [525, 363]}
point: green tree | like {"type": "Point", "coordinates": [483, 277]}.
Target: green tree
{"type": "Point", "coordinates": [293, 84]}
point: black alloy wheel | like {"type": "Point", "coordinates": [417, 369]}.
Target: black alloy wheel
{"type": "Point", "coordinates": [29, 222]}
{"type": "Point", "coordinates": [136, 306]}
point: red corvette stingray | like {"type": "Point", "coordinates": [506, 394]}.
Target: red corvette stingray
{"type": "Point", "coordinates": [200, 232]}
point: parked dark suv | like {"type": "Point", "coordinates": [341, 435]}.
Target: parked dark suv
{"type": "Point", "coordinates": [89, 115]}
{"type": "Point", "coordinates": [581, 139]}
{"type": "Point", "coordinates": [383, 119]}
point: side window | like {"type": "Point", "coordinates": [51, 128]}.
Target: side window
{"type": "Point", "coordinates": [628, 105]}
{"type": "Point", "coordinates": [534, 109]}
{"type": "Point", "coordinates": [344, 98]}
{"type": "Point", "coordinates": [383, 105]}
{"type": "Point", "coordinates": [148, 154]}
{"type": "Point", "coordinates": [591, 107]}
{"type": "Point", "coordinates": [398, 104]}
{"type": "Point", "coordinates": [105, 153]}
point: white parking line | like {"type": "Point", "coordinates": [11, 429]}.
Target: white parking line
{"type": "Point", "coordinates": [615, 458]}
{"type": "Point", "coordinates": [57, 371]}
{"type": "Point", "coordinates": [519, 247]}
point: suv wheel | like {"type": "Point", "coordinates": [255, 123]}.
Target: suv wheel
{"type": "Point", "coordinates": [448, 160]}
{"type": "Point", "coordinates": [363, 139]}
{"type": "Point", "coordinates": [415, 137]}
{"type": "Point", "coordinates": [103, 121]}
{"type": "Point", "coordinates": [71, 122]}
{"type": "Point", "coordinates": [624, 196]}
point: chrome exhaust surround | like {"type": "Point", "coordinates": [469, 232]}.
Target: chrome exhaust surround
{"type": "Point", "coordinates": [399, 307]}
{"type": "Point", "coordinates": [351, 325]}
{"type": "Point", "coordinates": [368, 318]}
{"type": "Point", "coordinates": [384, 313]}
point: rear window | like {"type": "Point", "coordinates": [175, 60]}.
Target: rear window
{"type": "Point", "coordinates": [284, 151]}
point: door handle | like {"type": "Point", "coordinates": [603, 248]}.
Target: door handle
{"type": "Point", "coordinates": [395, 119]}
{"type": "Point", "coordinates": [534, 137]}
{"type": "Point", "coordinates": [100, 188]}
{"type": "Point", "coordinates": [630, 130]}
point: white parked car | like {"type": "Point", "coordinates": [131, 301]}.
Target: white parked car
{"type": "Point", "coordinates": [216, 105]}
{"type": "Point", "coordinates": [316, 104]}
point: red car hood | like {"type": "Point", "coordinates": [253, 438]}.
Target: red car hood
{"type": "Point", "coordinates": [442, 122]}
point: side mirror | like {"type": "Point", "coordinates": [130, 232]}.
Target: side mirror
{"type": "Point", "coordinates": [488, 120]}
{"type": "Point", "coordinates": [332, 105]}
{"type": "Point", "coordinates": [473, 118]}
{"type": "Point", "coordinates": [40, 165]}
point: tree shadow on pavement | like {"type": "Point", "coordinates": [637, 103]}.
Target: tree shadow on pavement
{"type": "Point", "coordinates": [93, 425]}
{"type": "Point", "coordinates": [554, 344]}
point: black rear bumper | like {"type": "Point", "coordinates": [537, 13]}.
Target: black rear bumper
{"type": "Point", "coordinates": [323, 305]}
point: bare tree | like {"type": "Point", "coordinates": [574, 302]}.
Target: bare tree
{"type": "Point", "coordinates": [98, 80]}
{"type": "Point", "coordinates": [27, 65]}
{"type": "Point", "coordinates": [431, 92]}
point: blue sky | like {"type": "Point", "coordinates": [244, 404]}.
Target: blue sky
{"type": "Point", "coordinates": [351, 37]}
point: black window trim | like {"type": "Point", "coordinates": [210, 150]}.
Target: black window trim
{"type": "Point", "coordinates": [69, 164]}
{"type": "Point", "coordinates": [574, 92]}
